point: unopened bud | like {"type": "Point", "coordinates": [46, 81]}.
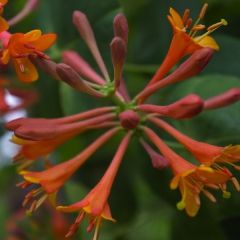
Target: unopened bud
{"type": "Point", "coordinates": [74, 60]}
{"type": "Point", "coordinates": [120, 26]}
{"type": "Point", "coordinates": [129, 119]}
{"type": "Point", "coordinates": [48, 66]}
{"type": "Point", "coordinates": [186, 107]}
{"type": "Point", "coordinates": [85, 30]}
{"type": "Point", "coordinates": [71, 77]}
{"type": "Point", "coordinates": [119, 51]}
{"type": "Point", "coordinates": [158, 161]}
{"type": "Point", "coordinates": [191, 67]}
{"type": "Point", "coordinates": [33, 129]}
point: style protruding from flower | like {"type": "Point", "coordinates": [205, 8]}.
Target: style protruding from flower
{"type": "Point", "coordinates": [39, 137]}
{"type": "Point", "coordinates": [20, 46]}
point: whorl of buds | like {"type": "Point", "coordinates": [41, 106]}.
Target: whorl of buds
{"type": "Point", "coordinates": [129, 119]}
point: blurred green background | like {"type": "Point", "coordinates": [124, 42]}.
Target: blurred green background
{"type": "Point", "coordinates": [141, 200]}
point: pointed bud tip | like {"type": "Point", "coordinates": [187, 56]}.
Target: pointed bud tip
{"type": "Point", "coordinates": [120, 26]}
{"type": "Point", "coordinates": [78, 15]}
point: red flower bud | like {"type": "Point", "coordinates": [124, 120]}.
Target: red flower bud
{"type": "Point", "coordinates": [120, 27]}
{"type": "Point", "coordinates": [129, 119]}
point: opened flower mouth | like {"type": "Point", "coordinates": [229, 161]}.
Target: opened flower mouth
{"type": "Point", "coordinates": [186, 25]}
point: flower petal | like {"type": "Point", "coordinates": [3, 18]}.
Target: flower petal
{"type": "Point", "coordinates": [45, 41]}
{"type": "Point", "coordinates": [207, 42]}
{"type": "Point", "coordinates": [176, 18]}
{"type": "Point", "coordinates": [3, 24]}
{"type": "Point", "coordinates": [25, 70]}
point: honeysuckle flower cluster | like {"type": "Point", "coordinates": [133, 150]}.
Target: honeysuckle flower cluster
{"type": "Point", "coordinates": [133, 117]}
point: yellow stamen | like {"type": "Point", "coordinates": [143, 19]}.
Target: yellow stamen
{"type": "Point", "coordinates": [213, 186]}
{"type": "Point", "coordinates": [212, 28]}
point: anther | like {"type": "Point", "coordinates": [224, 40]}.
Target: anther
{"type": "Point", "coordinates": [209, 196]}
{"type": "Point", "coordinates": [40, 201]}
{"type": "Point", "coordinates": [203, 11]}
{"type": "Point", "coordinates": [188, 23]}
{"type": "Point", "coordinates": [198, 27]}
{"type": "Point", "coordinates": [235, 183]}
{"type": "Point", "coordinates": [213, 186]}
{"type": "Point", "coordinates": [23, 184]}
{"type": "Point", "coordinates": [237, 167]}
{"type": "Point", "coordinates": [185, 15]}
{"type": "Point", "coordinates": [91, 225]}
{"type": "Point", "coordinates": [74, 227]}
{"type": "Point", "coordinates": [197, 200]}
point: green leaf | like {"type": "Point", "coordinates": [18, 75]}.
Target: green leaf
{"type": "Point", "coordinates": [226, 61]}
{"type": "Point", "coordinates": [203, 226]}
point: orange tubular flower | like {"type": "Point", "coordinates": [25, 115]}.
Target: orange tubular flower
{"type": "Point", "coordinates": [191, 179]}
{"type": "Point", "coordinates": [95, 204]}
{"type": "Point", "coordinates": [3, 23]}
{"type": "Point", "coordinates": [205, 153]}
{"type": "Point", "coordinates": [184, 43]}
{"type": "Point", "coordinates": [53, 178]}
{"type": "Point", "coordinates": [20, 46]}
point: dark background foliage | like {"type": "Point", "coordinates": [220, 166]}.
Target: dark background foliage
{"type": "Point", "coordinates": [141, 200]}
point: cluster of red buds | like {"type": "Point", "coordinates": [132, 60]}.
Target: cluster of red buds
{"type": "Point", "coordinates": [132, 117]}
